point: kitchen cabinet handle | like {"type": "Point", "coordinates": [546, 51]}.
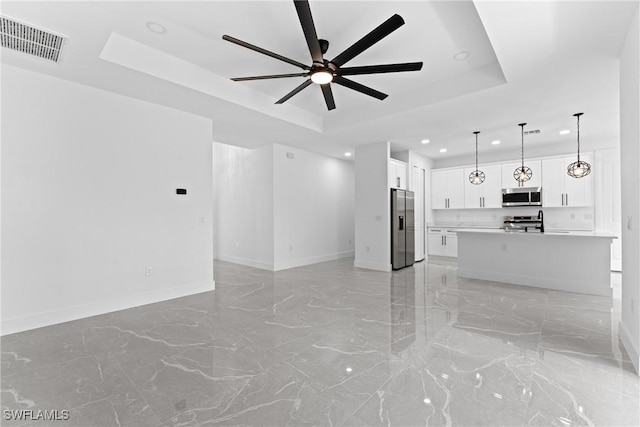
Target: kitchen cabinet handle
{"type": "Point", "coordinates": [398, 181]}
{"type": "Point", "coordinates": [566, 198]}
{"type": "Point", "coordinates": [441, 240]}
{"type": "Point", "coordinates": [445, 240]}
{"type": "Point", "coordinates": [562, 199]}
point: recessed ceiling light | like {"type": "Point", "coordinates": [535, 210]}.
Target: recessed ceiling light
{"type": "Point", "coordinates": [495, 142]}
{"type": "Point", "coordinates": [156, 28]}
{"type": "Point", "coordinates": [443, 150]}
{"type": "Point", "coordinates": [461, 56]}
{"type": "Point", "coordinates": [425, 141]}
{"type": "Point", "coordinates": [348, 154]}
{"type": "Point", "coordinates": [565, 132]}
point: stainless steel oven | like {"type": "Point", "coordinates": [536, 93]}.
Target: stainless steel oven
{"type": "Point", "coordinates": [524, 196]}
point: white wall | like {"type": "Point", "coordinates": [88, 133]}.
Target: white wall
{"type": "Point", "coordinates": [418, 160]}
{"type": "Point", "coordinates": [314, 204]}
{"type": "Point", "coordinates": [275, 212]}
{"type": "Point", "coordinates": [89, 201]}
{"type": "Point", "coordinates": [373, 229]}
{"type": "Point", "coordinates": [243, 183]}
{"type": "Point", "coordinates": [629, 160]}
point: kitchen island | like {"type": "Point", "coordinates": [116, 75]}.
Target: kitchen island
{"type": "Point", "coordinates": [565, 261]}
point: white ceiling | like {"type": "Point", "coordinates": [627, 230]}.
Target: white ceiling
{"type": "Point", "coordinates": [530, 61]}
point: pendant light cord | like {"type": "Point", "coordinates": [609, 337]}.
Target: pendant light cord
{"type": "Point", "coordinates": [578, 133]}
{"type": "Point", "coordinates": [476, 151]}
{"type": "Point", "coordinates": [522, 139]}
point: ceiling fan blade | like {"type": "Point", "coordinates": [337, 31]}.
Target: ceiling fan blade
{"type": "Point", "coordinates": [293, 92]}
{"type": "Point", "coordinates": [309, 29]}
{"type": "Point", "coordinates": [328, 96]}
{"type": "Point", "coordinates": [376, 69]}
{"type": "Point", "coordinates": [265, 52]}
{"type": "Point", "coordinates": [383, 30]}
{"type": "Point", "coordinates": [273, 76]}
{"type": "Point", "coordinates": [359, 87]}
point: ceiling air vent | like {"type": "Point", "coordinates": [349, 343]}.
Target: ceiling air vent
{"type": "Point", "coordinates": [531, 132]}
{"type": "Point", "coordinates": [34, 41]}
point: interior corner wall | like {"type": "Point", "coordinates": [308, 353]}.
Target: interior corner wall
{"type": "Point", "coordinates": [629, 160]}
{"type": "Point", "coordinates": [372, 210]}
{"type": "Point", "coordinates": [89, 202]}
{"type": "Point", "coordinates": [313, 207]}
{"type": "Point", "coordinates": [243, 184]}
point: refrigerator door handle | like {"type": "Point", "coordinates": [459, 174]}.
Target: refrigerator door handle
{"type": "Point", "coordinates": [401, 223]}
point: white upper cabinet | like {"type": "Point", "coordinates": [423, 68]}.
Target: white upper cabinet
{"type": "Point", "coordinates": [397, 174]}
{"type": "Point", "coordinates": [485, 195]}
{"type": "Point", "coordinates": [508, 181]}
{"type": "Point", "coordinates": [447, 189]}
{"type": "Point", "coordinates": [561, 190]}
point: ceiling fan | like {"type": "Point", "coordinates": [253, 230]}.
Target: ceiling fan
{"type": "Point", "coordinates": [325, 72]}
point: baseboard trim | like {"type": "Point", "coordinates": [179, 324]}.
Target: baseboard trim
{"type": "Point", "coordinates": [48, 318]}
{"type": "Point", "coordinates": [246, 261]}
{"type": "Point", "coordinates": [372, 265]}
{"type": "Point", "coordinates": [311, 260]}
{"type": "Point", "coordinates": [630, 346]}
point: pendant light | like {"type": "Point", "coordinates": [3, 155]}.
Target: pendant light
{"type": "Point", "coordinates": [477, 176]}
{"type": "Point", "coordinates": [579, 168]}
{"type": "Point", "coordinates": [522, 173]}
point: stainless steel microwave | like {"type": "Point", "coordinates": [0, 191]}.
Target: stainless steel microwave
{"type": "Point", "coordinates": [524, 196]}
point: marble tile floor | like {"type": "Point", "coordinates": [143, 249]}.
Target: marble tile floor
{"type": "Point", "coordinates": [329, 344]}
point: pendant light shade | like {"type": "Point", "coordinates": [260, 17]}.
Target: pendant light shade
{"type": "Point", "coordinates": [579, 168]}
{"type": "Point", "coordinates": [522, 173]}
{"type": "Point", "coordinates": [477, 176]}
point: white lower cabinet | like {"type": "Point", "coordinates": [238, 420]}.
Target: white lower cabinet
{"type": "Point", "coordinates": [442, 242]}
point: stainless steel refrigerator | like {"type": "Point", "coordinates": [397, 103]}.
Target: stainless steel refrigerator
{"type": "Point", "coordinates": [402, 228]}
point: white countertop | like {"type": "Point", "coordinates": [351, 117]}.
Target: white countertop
{"type": "Point", "coordinates": [538, 234]}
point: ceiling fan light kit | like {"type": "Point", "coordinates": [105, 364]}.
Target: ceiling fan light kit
{"type": "Point", "coordinates": [477, 176]}
{"type": "Point", "coordinates": [322, 76]}
{"type": "Point", "coordinates": [324, 72]}
{"type": "Point", "coordinates": [522, 173]}
{"type": "Point", "coordinates": [579, 168]}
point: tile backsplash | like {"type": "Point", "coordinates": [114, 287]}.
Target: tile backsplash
{"type": "Point", "coordinates": [558, 218]}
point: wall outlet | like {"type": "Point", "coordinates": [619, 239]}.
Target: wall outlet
{"type": "Point", "coordinates": [148, 271]}
{"type": "Point", "coordinates": [290, 155]}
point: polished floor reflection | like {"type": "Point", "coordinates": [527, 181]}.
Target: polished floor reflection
{"type": "Point", "coordinates": [329, 344]}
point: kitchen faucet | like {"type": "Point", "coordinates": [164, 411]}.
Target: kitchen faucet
{"type": "Point", "coordinates": [541, 218]}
